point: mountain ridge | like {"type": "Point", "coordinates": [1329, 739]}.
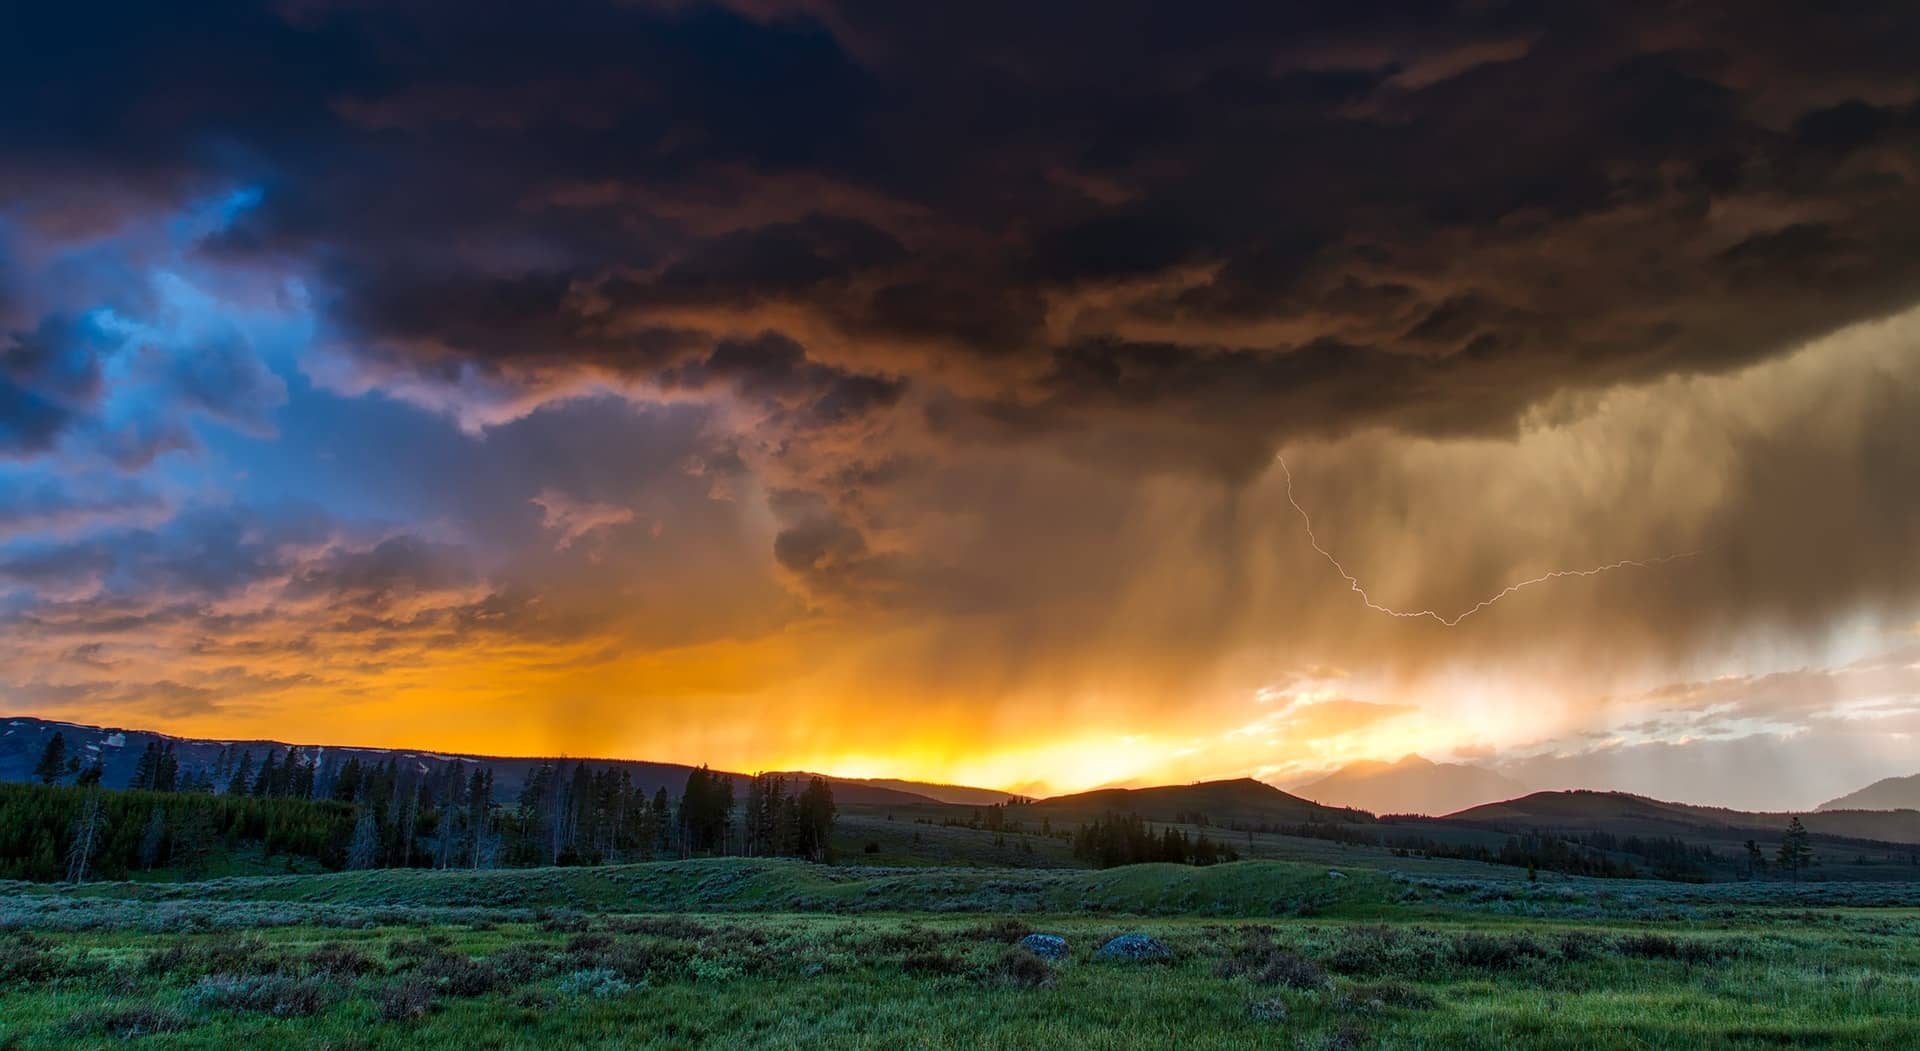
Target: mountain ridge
{"type": "Point", "coordinates": [1888, 793]}
{"type": "Point", "coordinates": [1242, 800]}
{"type": "Point", "coordinates": [23, 737]}
{"type": "Point", "coordinates": [1629, 814]}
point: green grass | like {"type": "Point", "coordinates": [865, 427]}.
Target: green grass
{"type": "Point", "coordinates": [1259, 888]}
{"type": "Point", "coordinates": [717, 954]}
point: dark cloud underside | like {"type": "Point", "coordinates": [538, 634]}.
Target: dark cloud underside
{"type": "Point", "coordinates": [975, 328]}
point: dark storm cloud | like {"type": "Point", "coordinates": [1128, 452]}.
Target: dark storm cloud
{"type": "Point", "coordinates": [196, 556]}
{"type": "Point", "coordinates": [1165, 238]}
{"type": "Point", "coordinates": [1547, 187]}
{"type": "Point", "coordinates": [48, 377]}
{"type": "Point", "coordinates": [371, 578]}
{"type": "Point", "coordinates": [1256, 163]}
{"type": "Point", "coordinates": [49, 503]}
{"type": "Point", "coordinates": [772, 371]}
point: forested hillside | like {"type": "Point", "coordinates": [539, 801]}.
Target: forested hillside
{"type": "Point", "coordinates": [381, 816]}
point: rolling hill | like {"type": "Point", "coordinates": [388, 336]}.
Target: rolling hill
{"type": "Point", "coordinates": [1413, 785]}
{"type": "Point", "coordinates": [1892, 793]}
{"type": "Point", "coordinates": [1239, 801]}
{"type": "Point", "coordinates": [958, 795]}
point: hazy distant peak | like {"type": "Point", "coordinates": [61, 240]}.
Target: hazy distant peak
{"type": "Point", "coordinates": [1890, 793]}
{"type": "Point", "coordinates": [1412, 784]}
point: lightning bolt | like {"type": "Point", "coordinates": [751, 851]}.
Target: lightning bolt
{"type": "Point", "coordinates": [1353, 583]}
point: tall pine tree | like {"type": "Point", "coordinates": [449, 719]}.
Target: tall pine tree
{"type": "Point", "coordinates": [53, 759]}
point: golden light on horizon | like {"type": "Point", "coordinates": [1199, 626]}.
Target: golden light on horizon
{"type": "Point", "coordinates": [764, 457]}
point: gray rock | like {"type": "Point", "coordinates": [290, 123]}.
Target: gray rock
{"type": "Point", "coordinates": [1133, 947]}
{"type": "Point", "coordinates": [1050, 947]}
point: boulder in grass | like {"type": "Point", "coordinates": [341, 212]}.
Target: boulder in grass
{"type": "Point", "coordinates": [1134, 948]}
{"type": "Point", "coordinates": [1049, 947]}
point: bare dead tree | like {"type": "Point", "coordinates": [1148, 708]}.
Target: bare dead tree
{"type": "Point", "coordinates": [88, 829]}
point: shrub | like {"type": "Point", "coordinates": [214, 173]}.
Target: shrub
{"type": "Point", "coordinates": [1021, 969]}
{"type": "Point", "coordinates": [908, 940]}
{"type": "Point", "coordinates": [1662, 947]}
{"type": "Point", "coordinates": [173, 958]}
{"type": "Point", "coordinates": [702, 969]}
{"type": "Point", "coordinates": [1002, 930]}
{"type": "Point", "coordinates": [1575, 946]}
{"type": "Point", "coordinates": [522, 962]}
{"type": "Point", "coordinates": [276, 995]}
{"type": "Point", "coordinates": [1273, 1009]}
{"type": "Point", "coordinates": [213, 956]}
{"type": "Point", "coordinates": [458, 975]}
{"type": "Point", "coordinates": [931, 964]}
{"type": "Point", "coordinates": [407, 1000]}
{"type": "Point", "coordinates": [598, 982]}
{"type": "Point", "coordinates": [1260, 960]}
{"type": "Point", "coordinates": [27, 959]}
{"type": "Point", "coordinates": [1387, 994]}
{"type": "Point", "coordinates": [341, 960]}
{"type": "Point", "coordinates": [532, 998]}
{"type": "Point", "coordinates": [126, 1023]}
{"type": "Point", "coordinates": [1291, 970]}
{"type": "Point", "coordinates": [662, 927]}
{"type": "Point", "coordinates": [588, 944]}
{"type": "Point", "coordinates": [1384, 950]}
{"type": "Point", "coordinates": [737, 937]}
{"type": "Point", "coordinates": [638, 960]}
{"type": "Point", "coordinates": [1496, 952]}
{"type": "Point", "coordinates": [564, 923]}
{"type": "Point", "coordinates": [1349, 1037]}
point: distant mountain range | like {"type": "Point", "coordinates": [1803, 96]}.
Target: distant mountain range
{"type": "Point", "coordinates": [1412, 785]}
{"type": "Point", "coordinates": [1884, 812]}
{"type": "Point", "coordinates": [23, 738]}
{"type": "Point", "coordinates": [1622, 814]}
{"type": "Point", "coordinates": [1893, 793]}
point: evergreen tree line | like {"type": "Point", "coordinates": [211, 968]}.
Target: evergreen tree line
{"type": "Point", "coordinates": [782, 821]}
{"type": "Point", "coordinates": [366, 815]}
{"type": "Point", "coordinates": [584, 817]}
{"type": "Point", "coordinates": [1126, 839]}
{"type": "Point", "coordinates": [52, 832]}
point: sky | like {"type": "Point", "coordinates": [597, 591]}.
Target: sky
{"type": "Point", "coordinates": [898, 391]}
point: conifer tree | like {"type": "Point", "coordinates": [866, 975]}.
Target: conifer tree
{"type": "Point", "coordinates": [662, 813]}
{"type": "Point", "coordinates": [1796, 852]}
{"type": "Point", "coordinates": [242, 780]}
{"type": "Point", "coordinates": [269, 773]}
{"type": "Point", "coordinates": [166, 770]}
{"type": "Point", "coordinates": [146, 767]}
{"type": "Point", "coordinates": [53, 759]}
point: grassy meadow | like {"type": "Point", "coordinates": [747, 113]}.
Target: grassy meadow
{"type": "Point", "coordinates": [775, 953]}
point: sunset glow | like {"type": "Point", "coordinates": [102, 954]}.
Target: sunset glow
{"type": "Point", "coordinates": [845, 413]}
